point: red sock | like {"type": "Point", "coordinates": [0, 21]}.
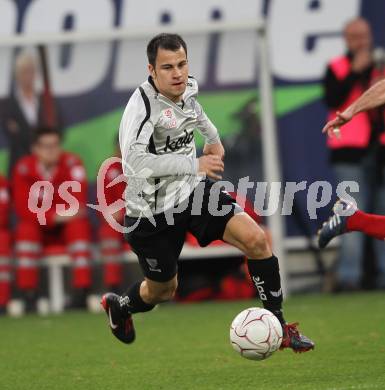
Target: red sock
{"type": "Point", "coordinates": [371, 224]}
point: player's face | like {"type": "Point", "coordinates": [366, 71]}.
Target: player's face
{"type": "Point", "coordinates": [48, 149]}
{"type": "Point", "coordinates": [170, 73]}
{"type": "Point", "coordinates": [358, 36]}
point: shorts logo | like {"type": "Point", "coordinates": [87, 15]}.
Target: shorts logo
{"type": "Point", "coordinates": [276, 294]}
{"type": "Point", "coordinates": [153, 264]}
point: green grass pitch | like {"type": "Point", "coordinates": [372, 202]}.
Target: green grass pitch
{"type": "Point", "coordinates": [187, 347]}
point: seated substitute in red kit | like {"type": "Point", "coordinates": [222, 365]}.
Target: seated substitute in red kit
{"type": "Point", "coordinates": [50, 192]}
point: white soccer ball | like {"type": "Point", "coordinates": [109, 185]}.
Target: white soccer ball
{"type": "Point", "coordinates": [256, 333]}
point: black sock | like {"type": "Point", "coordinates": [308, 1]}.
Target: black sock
{"type": "Point", "coordinates": [265, 276]}
{"type": "Point", "coordinates": [137, 305]}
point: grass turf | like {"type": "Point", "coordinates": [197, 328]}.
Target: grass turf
{"type": "Point", "coordinates": [187, 347]}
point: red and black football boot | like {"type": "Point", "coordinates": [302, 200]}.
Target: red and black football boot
{"type": "Point", "coordinates": [295, 340]}
{"type": "Point", "coordinates": [118, 312]}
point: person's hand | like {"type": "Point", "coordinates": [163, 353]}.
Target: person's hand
{"type": "Point", "coordinates": [332, 128]}
{"type": "Point", "coordinates": [211, 164]}
{"type": "Point", "coordinates": [216, 149]}
{"type": "Point", "coordinates": [361, 60]}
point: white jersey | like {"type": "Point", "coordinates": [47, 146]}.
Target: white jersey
{"type": "Point", "coordinates": [157, 143]}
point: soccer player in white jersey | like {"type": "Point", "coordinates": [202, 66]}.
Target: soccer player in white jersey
{"type": "Point", "coordinates": [167, 195]}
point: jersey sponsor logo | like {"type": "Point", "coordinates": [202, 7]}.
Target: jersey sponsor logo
{"type": "Point", "coordinates": [175, 145]}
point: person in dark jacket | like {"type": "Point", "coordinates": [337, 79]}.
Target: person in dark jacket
{"type": "Point", "coordinates": [25, 109]}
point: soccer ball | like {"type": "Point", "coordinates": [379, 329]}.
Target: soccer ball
{"type": "Point", "coordinates": [256, 333]}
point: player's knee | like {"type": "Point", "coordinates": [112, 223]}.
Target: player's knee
{"type": "Point", "coordinates": [256, 243]}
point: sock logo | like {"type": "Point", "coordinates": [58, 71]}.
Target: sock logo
{"type": "Point", "coordinates": [258, 284]}
{"type": "Point", "coordinates": [276, 294]}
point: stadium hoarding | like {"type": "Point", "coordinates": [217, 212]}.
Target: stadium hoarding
{"type": "Point", "coordinates": [92, 81]}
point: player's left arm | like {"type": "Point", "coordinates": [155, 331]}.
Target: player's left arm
{"type": "Point", "coordinates": [213, 144]}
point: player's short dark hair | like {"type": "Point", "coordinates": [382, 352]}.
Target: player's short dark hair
{"type": "Point", "coordinates": [164, 41]}
{"type": "Point", "coordinates": [40, 132]}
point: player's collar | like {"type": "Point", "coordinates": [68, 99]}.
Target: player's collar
{"type": "Point", "coordinates": [180, 104]}
{"type": "Point", "coordinates": [151, 81]}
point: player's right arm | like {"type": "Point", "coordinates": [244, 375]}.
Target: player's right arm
{"type": "Point", "coordinates": [372, 98]}
{"type": "Point", "coordinates": [139, 158]}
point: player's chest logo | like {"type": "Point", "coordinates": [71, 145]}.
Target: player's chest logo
{"type": "Point", "coordinates": [169, 119]}
{"type": "Point", "coordinates": [176, 144]}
